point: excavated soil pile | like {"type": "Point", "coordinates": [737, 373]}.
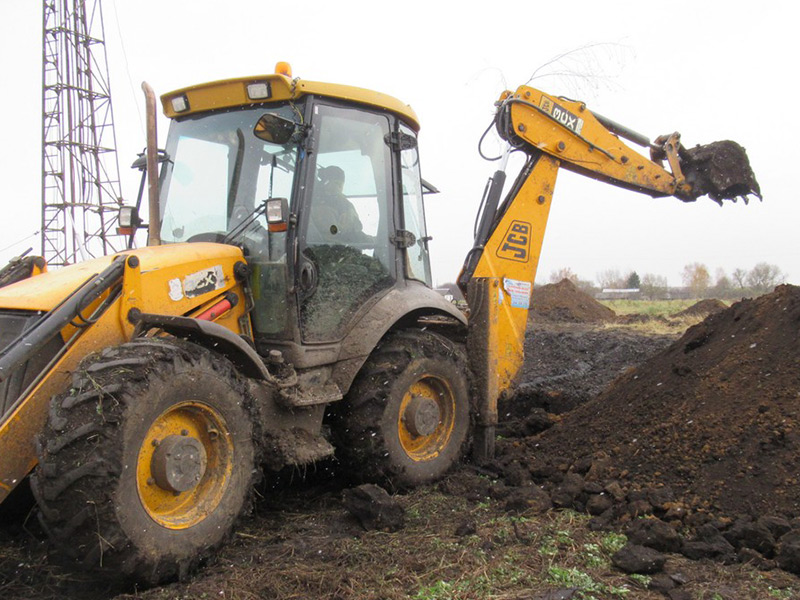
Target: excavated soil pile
{"type": "Point", "coordinates": [701, 309]}
{"type": "Point", "coordinates": [563, 301]}
{"type": "Point", "coordinates": [713, 420]}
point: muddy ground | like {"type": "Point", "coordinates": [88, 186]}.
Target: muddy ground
{"type": "Point", "coordinates": [594, 453]}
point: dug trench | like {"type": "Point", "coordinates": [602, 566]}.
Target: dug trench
{"type": "Point", "coordinates": [659, 465]}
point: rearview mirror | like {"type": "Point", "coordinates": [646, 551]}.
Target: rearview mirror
{"type": "Point", "coordinates": [274, 129]}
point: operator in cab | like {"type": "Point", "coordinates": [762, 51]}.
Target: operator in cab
{"type": "Point", "coordinates": [333, 217]}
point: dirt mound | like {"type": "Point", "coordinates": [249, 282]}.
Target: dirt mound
{"type": "Point", "coordinates": [714, 417]}
{"type": "Point", "coordinates": [636, 318]}
{"type": "Point", "coordinates": [563, 301]}
{"type": "Point", "coordinates": [701, 309]}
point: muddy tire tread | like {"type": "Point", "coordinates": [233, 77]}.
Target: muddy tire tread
{"type": "Point", "coordinates": [360, 443]}
{"type": "Point", "coordinates": [77, 452]}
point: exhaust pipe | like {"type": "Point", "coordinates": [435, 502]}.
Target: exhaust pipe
{"type": "Point", "coordinates": [151, 154]}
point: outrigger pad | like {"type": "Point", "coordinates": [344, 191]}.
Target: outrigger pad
{"type": "Point", "coordinates": [721, 170]}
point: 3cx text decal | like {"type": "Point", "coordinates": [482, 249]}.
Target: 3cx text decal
{"type": "Point", "coordinates": [561, 114]}
{"type": "Point", "coordinates": [204, 281]}
{"type": "Point", "coordinates": [516, 244]}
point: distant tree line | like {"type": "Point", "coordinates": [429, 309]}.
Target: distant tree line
{"type": "Point", "coordinates": [761, 279]}
{"type": "Point", "coordinates": [696, 278]}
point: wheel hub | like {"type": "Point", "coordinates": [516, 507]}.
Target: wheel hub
{"type": "Point", "coordinates": [422, 416]}
{"type": "Point", "coordinates": [179, 463]}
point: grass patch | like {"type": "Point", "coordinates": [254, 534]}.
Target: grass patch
{"type": "Point", "coordinates": [612, 542]}
{"type": "Point", "coordinates": [658, 319]}
{"type": "Point", "coordinates": [587, 586]}
{"type": "Point", "coordinates": [650, 308]}
{"type": "Point", "coordinates": [674, 327]}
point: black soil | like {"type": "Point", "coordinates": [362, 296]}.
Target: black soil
{"type": "Point", "coordinates": [567, 364]}
{"type": "Point", "coordinates": [715, 416]}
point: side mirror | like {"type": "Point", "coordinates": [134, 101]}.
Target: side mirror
{"type": "Point", "coordinates": [129, 220]}
{"type": "Point", "coordinates": [274, 129]}
{"type": "Point", "coordinates": [277, 215]}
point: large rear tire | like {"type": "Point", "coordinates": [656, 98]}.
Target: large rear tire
{"type": "Point", "coordinates": [406, 419]}
{"type": "Point", "coordinates": [147, 462]}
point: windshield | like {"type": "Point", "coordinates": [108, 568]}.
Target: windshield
{"type": "Point", "coordinates": [219, 174]}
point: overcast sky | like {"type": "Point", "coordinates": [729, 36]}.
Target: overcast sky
{"type": "Point", "coordinates": [711, 70]}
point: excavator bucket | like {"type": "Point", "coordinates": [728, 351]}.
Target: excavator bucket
{"type": "Point", "coordinates": [721, 170]}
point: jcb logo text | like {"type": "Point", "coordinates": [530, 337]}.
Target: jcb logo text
{"type": "Point", "coordinates": [516, 243]}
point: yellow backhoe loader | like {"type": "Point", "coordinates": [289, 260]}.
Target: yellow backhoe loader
{"type": "Point", "coordinates": [283, 311]}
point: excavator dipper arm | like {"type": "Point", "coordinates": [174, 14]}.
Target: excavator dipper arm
{"type": "Point", "coordinates": [499, 271]}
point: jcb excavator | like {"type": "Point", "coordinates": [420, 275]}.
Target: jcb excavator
{"type": "Point", "coordinates": [283, 311]}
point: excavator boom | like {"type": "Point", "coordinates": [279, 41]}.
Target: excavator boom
{"type": "Point", "coordinates": [555, 133]}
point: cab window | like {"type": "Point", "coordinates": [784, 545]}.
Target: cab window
{"type": "Point", "coordinates": [417, 258]}
{"type": "Point", "coordinates": [346, 257]}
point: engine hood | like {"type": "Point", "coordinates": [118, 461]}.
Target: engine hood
{"type": "Point", "coordinates": [45, 291]}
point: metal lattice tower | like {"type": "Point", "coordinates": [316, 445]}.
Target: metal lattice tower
{"type": "Point", "coordinates": [80, 172]}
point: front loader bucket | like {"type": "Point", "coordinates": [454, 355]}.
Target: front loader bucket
{"type": "Point", "coordinates": [721, 170]}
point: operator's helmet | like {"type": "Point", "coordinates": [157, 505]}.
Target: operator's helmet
{"type": "Point", "coordinates": [331, 175]}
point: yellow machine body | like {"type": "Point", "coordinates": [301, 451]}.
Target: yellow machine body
{"type": "Point", "coordinates": [164, 282]}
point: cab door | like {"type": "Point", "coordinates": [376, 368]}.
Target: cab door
{"type": "Point", "coordinates": [346, 257]}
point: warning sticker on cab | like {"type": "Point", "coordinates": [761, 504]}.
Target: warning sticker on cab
{"type": "Point", "coordinates": [203, 281]}
{"type": "Point", "coordinates": [519, 291]}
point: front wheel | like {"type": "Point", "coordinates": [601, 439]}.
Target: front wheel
{"type": "Point", "coordinates": [406, 419]}
{"type": "Point", "coordinates": [148, 461]}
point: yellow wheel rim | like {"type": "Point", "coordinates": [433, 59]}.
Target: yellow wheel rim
{"type": "Point", "coordinates": [426, 418]}
{"type": "Point", "coordinates": [184, 465]}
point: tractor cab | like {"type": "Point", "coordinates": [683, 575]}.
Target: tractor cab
{"type": "Point", "coordinates": [320, 186]}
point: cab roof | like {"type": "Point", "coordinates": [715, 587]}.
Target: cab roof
{"type": "Point", "coordinates": [267, 89]}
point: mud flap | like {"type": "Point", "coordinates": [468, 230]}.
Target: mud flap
{"type": "Point", "coordinates": [720, 170]}
{"type": "Point", "coordinates": [294, 446]}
